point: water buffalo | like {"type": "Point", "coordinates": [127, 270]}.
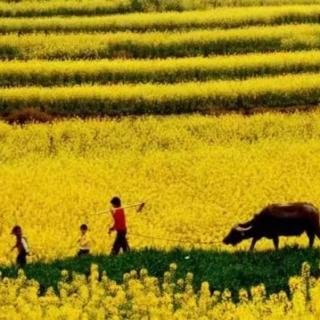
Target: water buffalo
{"type": "Point", "coordinates": [276, 220]}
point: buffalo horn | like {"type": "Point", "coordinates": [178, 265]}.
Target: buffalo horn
{"type": "Point", "coordinates": [242, 229]}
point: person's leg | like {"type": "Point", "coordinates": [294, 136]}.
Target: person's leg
{"type": "Point", "coordinates": [116, 245]}
{"type": "Point", "coordinates": [24, 260]}
{"type": "Point", "coordinates": [21, 260]}
{"type": "Point", "coordinates": [122, 240]}
{"type": "Point", "coordinates": [125, 244]}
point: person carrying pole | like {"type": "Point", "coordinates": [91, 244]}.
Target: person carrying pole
{"type": "Point", "coordinates": [119, 226]}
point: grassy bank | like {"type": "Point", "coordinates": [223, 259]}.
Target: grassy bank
{"type": "Point", "coordinates": [221, 269]}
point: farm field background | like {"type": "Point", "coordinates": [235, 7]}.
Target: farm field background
{"type": "Point", "coordinates": [136, 71]}
{"type": "Point", "coordinates": [107, 58]}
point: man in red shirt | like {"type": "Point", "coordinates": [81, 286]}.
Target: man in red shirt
{"type": "Point", "coordinates": [119, 226]}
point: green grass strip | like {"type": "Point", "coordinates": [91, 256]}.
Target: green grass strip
{"type": "Point", "coordinates": [240, 269]}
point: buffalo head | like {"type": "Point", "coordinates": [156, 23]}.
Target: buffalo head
{"type": "Point", "coordinates": [236, 235]}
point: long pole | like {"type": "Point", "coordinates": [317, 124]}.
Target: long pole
{"type": "Point", "coordinates": [125, 207]}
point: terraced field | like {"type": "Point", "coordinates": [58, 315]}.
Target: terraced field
{"type": "Point", "coordinates": [132, 57]}
{"type": "Point", "coordinates": [122, 64]}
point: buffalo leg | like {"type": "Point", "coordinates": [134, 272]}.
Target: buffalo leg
{"type": "Point", "coordinates": [276, 242]}
{"type": "Point", "coordinates": [253, 243]}
{"type": "Point", "coordinates": [311, 236]}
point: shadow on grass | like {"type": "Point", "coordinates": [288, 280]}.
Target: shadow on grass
{"type": "Point", "coordinates": [221, 269]}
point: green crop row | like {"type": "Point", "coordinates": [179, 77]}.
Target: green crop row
{"type": "Point", "coordinates": [32, 8]}
{"type": "Point", "coordinates": [281, 91]}
{"type": "Point", "coordinates": [217, 18]}
{"type": "Point", "coordinates": [160, 44]}
{"type": "Point", "coordinates": [61, 73]}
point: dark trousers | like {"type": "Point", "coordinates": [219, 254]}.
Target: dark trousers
{"type": "Point", "coordinates": [83, 252]}
{"type": "Point", "coordinates": [21, 260]}
{"type": "Point", "coordinates": [120, 242]}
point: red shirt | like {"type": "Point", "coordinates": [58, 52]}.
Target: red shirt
{"type": "Point", "coordinates": [119, 220]}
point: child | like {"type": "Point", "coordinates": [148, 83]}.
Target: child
{"type": "Point", "coordinates": [84, 241]}
{"type": "Point", "coordinates": [21, 245]}
{"type": "Point", "coordinates": [119, 226]}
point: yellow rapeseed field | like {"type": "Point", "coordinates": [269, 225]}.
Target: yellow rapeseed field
{"type": "Point", "coordinates": [198, 175]}
{"type": "Point", "coordinates": [126, 44]}
{"type": "Point", "coordinates": [34, 8]}
{"type": "Point", "coordinates": [171, 70]}
{"type": "Point", "coordinates": [123, 99]}
{"type": "Point", "coordinates": [225, 17]}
